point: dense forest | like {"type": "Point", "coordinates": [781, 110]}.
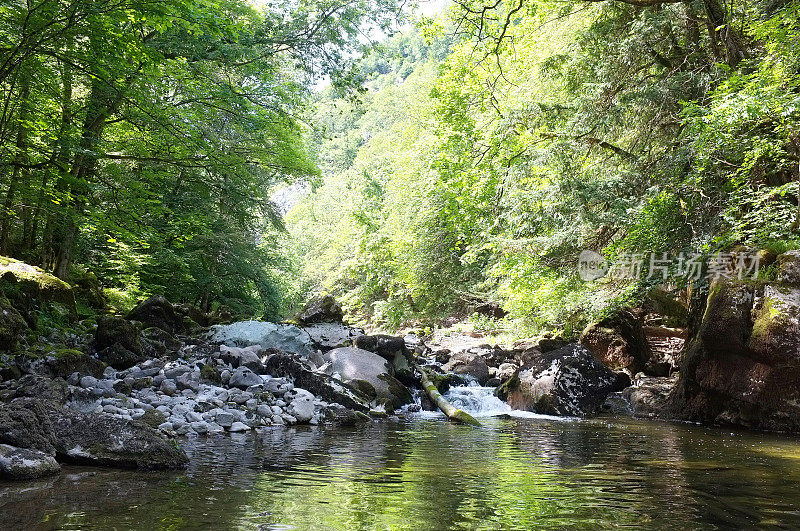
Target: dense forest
{"type": "Point", "coordinates": [498, 141]}
{"type": "Point", "coordinates": [467, 159]}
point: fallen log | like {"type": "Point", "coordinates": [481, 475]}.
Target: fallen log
{"type": "Point", "coordinates": [452, 412]}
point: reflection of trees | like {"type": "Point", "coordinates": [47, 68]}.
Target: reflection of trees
{"type": "Point", "coordinates": [432, 474]}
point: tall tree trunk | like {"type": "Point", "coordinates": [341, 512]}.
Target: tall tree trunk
{"type": "Point", "coordinates": [720, 28]}
{"type": "Point", "coordinates": [20, 158]}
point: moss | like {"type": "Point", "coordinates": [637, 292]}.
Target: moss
{"type": "Point", "coordinates": [153, 418]}
{"type": "Point", "coordinates": [210, 373]}
{"type": "Point", "coordinates": [69, 354]}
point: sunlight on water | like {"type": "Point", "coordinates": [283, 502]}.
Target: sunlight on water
{"type": "Point", "coordinates": [427, 473]}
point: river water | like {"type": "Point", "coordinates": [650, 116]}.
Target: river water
{"type": "Point", "coordinates": [422, 472]}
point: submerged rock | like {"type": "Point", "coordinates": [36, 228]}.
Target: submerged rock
{"type": "Point", "coordinates": [568, 381]}
{"type": "Point", "coordinates": [21, 463]}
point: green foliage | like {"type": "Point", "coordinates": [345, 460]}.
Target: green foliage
{"type": "Point", "coordinates": [546, 129]}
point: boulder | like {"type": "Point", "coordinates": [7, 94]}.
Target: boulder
{"type": "Point", "coordinates": [119, 357]}
{"type": "Point", "coordinates": [649, 396]}
{"type": "Point", "coordinates": [491, 310]}
{"type": "Point", "coordinates": [35, 284]}
{"type": "Point", "coordinates": [468, 364]}
{"type": "Point", "coordinates": [381, 344]}
{"type": "Point", "coordinates": [287, 338]}
{"type": "Point", "coordinates": [321, 310]}
{"type": "Point", "coordinates": [569, 381]}
{"type": "Point", "coordinates": [789, 268]}
{"type": "Point", "coordinates": [115, 330]}
{"type": "Point", "coordinates": [36, 386]}
{"type": "Point", "coordinates": [158, 342]}
{"type": "Point", "coordinates": [244, 378]}
{"type": "Point", "coordinates": [327, 336]}
{"type": "Point", "coordinates": [21, 463]}
{"type": "Point", "coordinates": [619, 342]}
{"type": "Point", "coordinates": [12, 325]}
{"type": "Point", "coordinates": [158, 312]}
{"type": "Point", "coordinates": [242, 357]}
{"type": "Point", "coordinates": [302, 405]}
{"type": "Point", "coordinates": [351, 363]}
{"type": "Point", "coordinates": [321, 385]}
{"type": "Point", "coordinates": [101, 439]}
{"type": "Point", "coordinates": [741, 364]}
{"type": "Point", "coordinates": [25, 423]}
{"type": "Point", "coordinates": [68, 361]}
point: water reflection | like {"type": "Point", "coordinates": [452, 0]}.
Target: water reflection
{"type": "Point", "coordinates": [427, 473]}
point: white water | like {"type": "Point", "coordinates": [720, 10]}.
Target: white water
{"type": "Point", "coordinates": [481, 402]}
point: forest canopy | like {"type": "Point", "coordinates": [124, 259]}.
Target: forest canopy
{"type": "Point", "coordinates": [501, 139]}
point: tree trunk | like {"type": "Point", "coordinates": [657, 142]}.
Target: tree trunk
{"type": "Point", "coordinates": [452, 412]}
{"type": "Point", "coordinates": [20, 158]}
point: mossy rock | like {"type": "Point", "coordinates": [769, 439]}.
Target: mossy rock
{"type": "Point", "coordinates": [115, 330]}
{"type": "Point", "coordinates": [12, 326]}
{"type": "Point", "coordinates": [211, 374]}
{"type": "Point", "coordinates": [775, 337]}
{"type": "Point", "coordinates": [67, 361]}
{"type": "Point", "coordinates": [153, 418]}
{"type": "Point", "coordinates": [35, 282]}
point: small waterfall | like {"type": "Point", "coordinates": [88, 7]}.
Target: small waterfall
{"type": "Point", "coordinates": [477, 401]}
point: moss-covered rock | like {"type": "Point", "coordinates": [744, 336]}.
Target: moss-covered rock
{"type": "Point", "coordinates": [36, 283]}
{"type": "Point", "coordinates": [66, 361]}
{"type": "Point", "coordinates": [114, 330]}
{"type": "Point", "coordinates": [210, 373]}
{"type": "Point", "coordinates": [12, 325]}
{"type": "Point", "coordinates": [775, 336]}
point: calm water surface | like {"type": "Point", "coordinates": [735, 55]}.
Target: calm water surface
{"type": "Point", "coordinates": [425, 473]}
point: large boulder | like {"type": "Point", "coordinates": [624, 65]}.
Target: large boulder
{"type": "Point", "coordinates": [569, 381]}
{"type": "Point", "coordinates": [67, 361]}
{"type": "Point", "coordinates": [115, 330]}
{"type": "Point", "coordinates": [619, 342]}
{"type": "Point", "coordinates": [21, 463]}
{"type": "Point", "coordinates": [158, 312]}
{"type": "Point", "coordinates": [249, 357]}
{"type": "Point", "coordinates": [36, 285]}
{"type": "Point", "coordinates": [321, 310]}
{"type": "Point", "coordinates": [354, 364]}
{"type": "Point", "coordinates": [381, 344]}
{"type": "Point", "coordinates": [741, 365]}
{"type": "Point", "coordinates": [287, 338]}
{"type": "Point", "coordinates": [101, 439]}
{"type": "Point", "coordinates": [470, 364]}
{"type": "Point", "coordinates": [322, 385]}
{"type": "Point", "coordinates": [12, 325]}
{"type": "Point", "coordinates": [25, 423]}
{"type": "Point", "coordinates": [327, 336]}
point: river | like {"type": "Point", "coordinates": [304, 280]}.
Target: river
{"type": "Point", "coordinates": [422, 472]}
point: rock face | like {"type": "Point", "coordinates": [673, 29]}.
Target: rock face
{"type": "Point", "coordinates": [741, 365]}
{"type": "Point", "coordinates": [322, 310]}
{"type": "Point", "coordinates": [25, 423]}
{"type": "Point", "coordinates": [619, 342]}
{"type": "Point", "coordinates": [287, 338]}
{"type": "Point", "coordinates": [569, 381]}
{"type": "Point", "coordinates": [158, 312]}
{"type": "Point", "coordinates": [468, 364]}
{"type": "Point", "coordinates": [351, 364]}
{"type": "Point", "coordinates": [20, 463]}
